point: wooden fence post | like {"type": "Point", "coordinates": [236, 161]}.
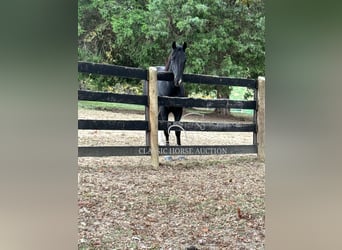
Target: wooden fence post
{"type": "Point", "coordinates": [261, 118]}
{"type": "Point", "coordinates": [147, 116]}
{"type": "Point", "coordinates": [153, 115]}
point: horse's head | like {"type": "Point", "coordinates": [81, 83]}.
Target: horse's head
{"type": "Point", "coordinates": [176, 62]}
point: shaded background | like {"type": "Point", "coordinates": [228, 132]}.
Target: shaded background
{"type": "Point", "coordinates": [38, 97]}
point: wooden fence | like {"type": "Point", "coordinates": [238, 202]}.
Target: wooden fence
{"type": "Point", "coordinates": [151, 124]}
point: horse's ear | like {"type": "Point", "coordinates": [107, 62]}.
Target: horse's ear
{"type": "Point", "coordinates": [184, 46]}
{"type": "Point", "coordinates": [174, 45]}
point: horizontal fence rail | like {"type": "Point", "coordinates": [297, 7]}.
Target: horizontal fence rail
{"type": "Point", "coordinates": [165, 150]}
{"type": "Point", "coordinates": [112, 125]}
{"type": "Point", "coordinates": [204, 103]}
{"type": "Point", "coordinates": [207, 126]}
{"type": "Point", "coordinates": [165, 101]}
{"type": "Point", "coordinates": [212, 80]}
{"type": "Point", "coordinates": [85, 95]}
{"type": "Point", "coordinates": [136, 73]}
{"type": "Point", "coordinates": [112, 70]}
{"type": "Point", "coordinates": [162, 125]}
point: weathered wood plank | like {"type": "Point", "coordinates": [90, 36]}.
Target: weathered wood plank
{"type": "Point", "coordinates": [143, 125]}
{"type": "Point", "coordinates": [261, 118]}
{"type": "Point", "coordinates": [112, 70]}
{"type": "Point", "coordinates": [165, 150]}
{"type": "Point", "coordinates": [165, 76]}
{"type": "Point", "coordinates": [137, 73]}
{"type": "Point", "coordinates": [205, 103]}
{"type": "Point", "coordinates": [147, 118]}
{"type": "Point", "coordinates": [153, 115]}
{"type": "Point", "coordinates": [207, 127]}
{"type": "Point", "coordinates": [164, 100]}
{"type": "Point", "coordinates": [255, 115]}
{"type": "Point", "coordinates": [113, 151]}
{"type": "Point", "coordinates": [207, 150]}
{"type": "Point", "coordinates": [212, 80]}
{"type": "Point", "coordinates": [111, 97]}
{"type": "Point", "coordinates": [217, 80]}
{"type": "Point", "coordinates": [112, 125]}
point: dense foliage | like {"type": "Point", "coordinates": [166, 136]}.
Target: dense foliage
{"type": "Point", "coordinates": [224, 37]}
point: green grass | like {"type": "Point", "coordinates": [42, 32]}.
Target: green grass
{"type": "Point", "coordinates": [109, 106]}
{"type": "Point", "coordinates": [238, 94]}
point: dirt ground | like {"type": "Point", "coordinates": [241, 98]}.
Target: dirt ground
{"type": "Point", "coordinates": [211, 202]}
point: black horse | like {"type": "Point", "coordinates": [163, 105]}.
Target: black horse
{"type": "Point", "coordinates": [175, 64]}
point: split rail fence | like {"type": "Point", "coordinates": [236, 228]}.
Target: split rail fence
{"type": "Point", "coordinates": [151, 125]}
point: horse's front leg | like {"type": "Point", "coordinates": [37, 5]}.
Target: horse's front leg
{"type": "Point", "coordinates": [163, 116]}
{"type": "Point", "coordinates": [167, 157]}
{"type": "Point", "coordinates": [167, 136]}
{"type": "Point", "coordinates": [178, 136]}
{"type": "Point", "coordinates": [178, 116]}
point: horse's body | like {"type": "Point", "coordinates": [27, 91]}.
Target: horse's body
{"type": "Point", "coordinates": [175, 64]}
